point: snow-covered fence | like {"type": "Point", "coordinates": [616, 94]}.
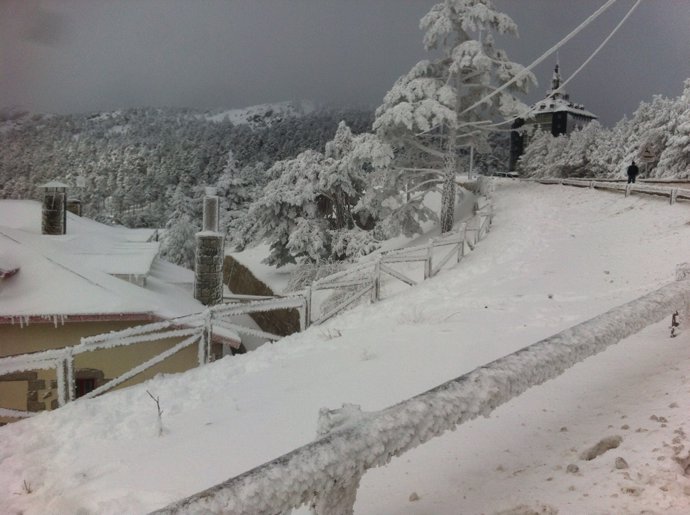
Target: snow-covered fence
{"type": "Point", "coordinates": [425, 253]}
{"type": "Point", "coordinates": [259, 304]}
{"type": "Point", "coordinates": [183, 332]}
{"type": "Point", "coordinates": [325, 474]}
{"type": "Point", "coordinates": [62, 360]}
{"type": "Point", "coordinates": [672, 193]}
{"type": "Point", "coordinates": [367, 277]}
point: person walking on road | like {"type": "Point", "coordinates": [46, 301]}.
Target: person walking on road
{"type": "Point", "coordinates": [633, 170]}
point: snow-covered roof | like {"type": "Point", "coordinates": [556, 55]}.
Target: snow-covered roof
{"type": "Point", "coordinates": [72, 275]}
{"type": "Point", "coordinates": [54, 184]}
{"type": "Point", "coordinates": [559, 105]}
{"type": "Point", "coordinates": [558, 101]}
{"type": "Point", "coordinates": [114, 250]}
{"type": "Point", "coordinates": [262, 113]}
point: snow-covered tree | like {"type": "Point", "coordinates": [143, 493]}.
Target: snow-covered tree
{"type": "Point", "coordinates": [310, 211]}
{"type": "Point", "coordinates": [433, 110]}
{"type": "Point", "coordinates": [610, 149]}
{"type": "Point", "coordinates": [576, 159]}
{"type": "Point", "coordinates": [532, 162]}
{"type": "Point", "coordinates": [237, 188]}
{"type": "Point", "coordinates": [178, 244]}
{"type": "Point", "coordinates": [675, 159]}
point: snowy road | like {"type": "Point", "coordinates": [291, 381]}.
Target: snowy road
{"type": "Point", "coordinates": [556, 256]}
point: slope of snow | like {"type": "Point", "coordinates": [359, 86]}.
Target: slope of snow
{"type": "Point", "coordinates": [555, 257]}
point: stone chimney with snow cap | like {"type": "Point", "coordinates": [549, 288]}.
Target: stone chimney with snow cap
{"type": "Point", "coordinates": [54, 214]}
{"type": "Point", "coordinates": [210, 245]}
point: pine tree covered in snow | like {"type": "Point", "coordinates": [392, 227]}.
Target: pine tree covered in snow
{"type": "Point", "coordinates": [310, 211]}
{"type": "Point", "coordinates": [576, 157]}
{"type": "Point", "coordinates": [609, 154]}
{"type": "Point", "coordinates": [675, 159]}
{"type": "Point", "coordinates": [237, 188]}
{"type": "Point", "coordinates": [430, 112]}
{"type": "Point", "coordinates": [178, 244]}
{"type": "Point", "coordinates": [532, 162]}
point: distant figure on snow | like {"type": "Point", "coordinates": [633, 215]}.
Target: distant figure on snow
{"type": "Point", "coordinates": [633, 170]}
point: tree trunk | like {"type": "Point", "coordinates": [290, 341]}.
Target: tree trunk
{"type": "Point", "coordinates": [340, 216]}
{"type": "Point", "coordinates": [448, 195]}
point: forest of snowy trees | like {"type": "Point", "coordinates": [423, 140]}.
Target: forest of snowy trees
{"type": "Point", "coordinates": [147, 167]}
{"type": "Point", "coordinates": [595, 151]}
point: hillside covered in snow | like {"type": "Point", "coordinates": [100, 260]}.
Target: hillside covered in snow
{"type": "Point", "coordinates": [556, 256]}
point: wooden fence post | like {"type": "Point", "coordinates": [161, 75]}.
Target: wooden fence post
{"type": "Point", "coordinates": [376, 292]}
{"type": "Point", "coordinates": [204, 356]}
{"type": "Point", "coordinates": [674, 195]}
{"type": "Point", "coordinates": [427, 261]}
{"type": "Point", "coordinates": [305, 320]}
{"type": "Point", "coordinates": [339, 497]}
{"type": "Point", "coordinates": [69, 371]}
{"type": "Point", "coordinates": [65, 384]}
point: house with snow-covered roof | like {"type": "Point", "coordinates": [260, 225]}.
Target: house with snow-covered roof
{"type": "Point", "coordinates": [83, 279]}
{"type": "Point", "coordinates": [556, 114]}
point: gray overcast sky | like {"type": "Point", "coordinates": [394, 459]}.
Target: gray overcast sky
{"type": "Point", "coordinates": [87, 55]}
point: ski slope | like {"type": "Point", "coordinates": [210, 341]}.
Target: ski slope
{"type": "Point", "coordinates": [556, 256]}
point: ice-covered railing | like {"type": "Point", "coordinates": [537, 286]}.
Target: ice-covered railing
{"type": "Point", "coordinates": [366, 278]}
{"type": "Point", "coordinates": [672, 193]}
{"type": "Point", "coordinates": [325, 474]}
{"type": "Point", "coordinates": [198, 329]}
{"type": "Point", "coordinates": [62, 360]}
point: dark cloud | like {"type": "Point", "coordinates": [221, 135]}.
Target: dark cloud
{"type": "Point", "coordinates": [43, 27]}
{"type": "Point", "coordinates": [83, 55]}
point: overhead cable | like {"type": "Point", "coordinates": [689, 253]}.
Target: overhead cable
{"type": "Point", "coordinates": [546, 54]}
{"type": "Point", "coordinates": [485, 125]}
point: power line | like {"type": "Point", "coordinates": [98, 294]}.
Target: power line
{"type": "Point", "coordinates": [620, 24]}
{"type": "Point", "coordinates": [571, 77]}
{"type": "Point", "coordinates": [546, 54]}
{"type": "Point", "coordinates": [541, 58]}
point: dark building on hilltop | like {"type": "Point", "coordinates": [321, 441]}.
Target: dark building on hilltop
{"type": "Point", "coordinates": [555, 113]}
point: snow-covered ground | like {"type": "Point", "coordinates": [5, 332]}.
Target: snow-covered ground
{"type": "Point", "coordinates": [556, 256]}
{"type": "Point", "coordinates": [263, 114]}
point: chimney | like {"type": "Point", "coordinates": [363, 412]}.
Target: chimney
{"type": "Point", "coordinates": [211, 210]}
{"type": "Point", "coordinates": [54, 216]}
{"type": "Point", "coordinates": [210, 246]}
